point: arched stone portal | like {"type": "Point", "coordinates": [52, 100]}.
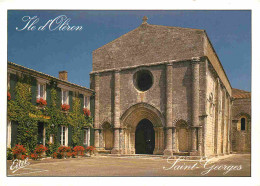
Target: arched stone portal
{"type": "Point", "coordinates": [130, 121]}
{"type": "Point", "coordinates": [144, 137]}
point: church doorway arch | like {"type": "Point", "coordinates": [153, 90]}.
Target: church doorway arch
{"type": "Point", "coordinates": [144, 137]}
{"type": "Point", "coordinates": [142, 122]}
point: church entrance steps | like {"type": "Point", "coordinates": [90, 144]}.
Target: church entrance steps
{"type": "Point", "coordinates": [182, 153]}
{"type": "Point", "coordinates": [148, 156]}
{"type": "Point", "coordinates": [104, 151]}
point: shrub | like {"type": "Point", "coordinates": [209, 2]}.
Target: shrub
{"type": "Point", "coordinates": [8, 96]}
{"type": "Point", "coordinates": [54, 155]}
{"type": "Point", "coordinates": [74, 154]}
{"type": "Point", "coordinates": [51, 149]}
{"type": "Point", "coordinates": [40, 148]}
{"type": "Point", "coordinates": [62, 149]}
{"type": "Point", "coordinates": [90, 148]}
{"type": "Point", "coordinates": [23, 157]}
{"type": "Point", "coordinates": [34, 156]}
{"type": "Point", "coordinates": [68, 149]}
{"type": "Point", "coordinates": [59, 155]}
{"type": "Point", "coordinates": [79, 150]}
{"type": "Point", "coordinates": [9, 154]}
{"type": "Point", "coordinates": [18, 150]}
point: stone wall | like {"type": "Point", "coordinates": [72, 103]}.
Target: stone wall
{"type": "Point", "coordinates": [217, 127]}
{"type": "Point", "coordinates": [241, 140]}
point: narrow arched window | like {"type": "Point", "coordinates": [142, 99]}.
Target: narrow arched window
{"type": "Point", "coordinates": [243, 123]}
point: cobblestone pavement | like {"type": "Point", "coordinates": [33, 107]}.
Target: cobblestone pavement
{"type": "Point", "coordinates": [232, 165]}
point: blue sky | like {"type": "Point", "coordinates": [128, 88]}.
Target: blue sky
{"type": "Point", "coordinates": [53, 51]}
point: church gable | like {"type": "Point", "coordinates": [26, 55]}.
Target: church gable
{"type": "Point", "coordinates": [149, 44]}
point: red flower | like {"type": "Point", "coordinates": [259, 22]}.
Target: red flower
{"type": "Point", "coordinates": [90, 148]}
{"type": "Point", "coordinates": [19, 149]}
{"type": "Point", "coordinates": [54, 155]}
{"type": "Point", "coordinates": [78, 149]}
{"type": "Point", "coordinates": [23, 157]}
{"type": "Point", "coordinates": [41, 102]}
{"type": "Point", "coordinates": [62, 149]}
{"type": "Point", "coordinates": [74, 154]}
{"type": "Point", "coordinates": [40, 148]}
{"type": "Point", "coordinates": [27, 131]}
{"type": "Point", "coordinates": [34, 156]}
{"type": "Point", "coordinates": [86, 111]}
{"type": "Point", "coordinates": [65, 107]}
{"type": "Point", "coordinates": [68, 149]}
{"type": "Point", "coordinates": [8, 96]}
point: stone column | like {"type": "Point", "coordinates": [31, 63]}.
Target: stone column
{"type": "Point", "coordinates": [156, 143]}
{"type": "Point", "coordinates": [223, 121]}
{"type": "Point", "coordinates": [161, 141]}
{"type": "Point", "coordinates": [96, 118]}
{"type": "Point", "coordinates": [230, 127]}
{"type": "Point", "coordinates": [115, 149]}
{"type": "Point", "coordinates": [216, 117]}
{"type": "Point", "coordinates": [168, 131]}
{"type": "Point", "coordinates": [121, 141]}
{"type": "Point", "coordinates": [173, 139]}
{"type": "Point", "coordinates": [200, 140]}
{"type": "Point", "coordinates": [195, 104]}
{"type": "Point", "coordinates": [101, 139]}
{"type": "Point", "coordinates": [132, 142]}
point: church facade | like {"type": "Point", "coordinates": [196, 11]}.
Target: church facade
{"type": "Point", "coordinates": [161, 90]}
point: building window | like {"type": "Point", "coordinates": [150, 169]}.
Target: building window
{"type": "Point", "coordinates": [51, 138]}
{"type": "Point", "coordinates": [9, 128]}
{"type": "Point", "coordinates": [86, 102]}
{"type": "Point", "coordinates": [243, 123]}
{"type": "Point", "coordinates": [86, 137]}
{"type": "Point", "coordinates": [64, 136]}
{"type": "Point", "coordinates": [65, 97]}
{"type": "Point", "coordinates": [41, 91]}
{"type": "Point", "coordinates": [143, 80]}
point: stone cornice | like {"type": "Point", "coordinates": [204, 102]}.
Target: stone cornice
{"type": "Point", "coordinates": [170, 62]}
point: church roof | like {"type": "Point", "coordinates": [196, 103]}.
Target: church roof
{"type": "Point", "coordinates": [240, 94]}
{"type": "Point", "coordinates": [155, 44]}
{"type": "Point", "coordinates": [149, 44]}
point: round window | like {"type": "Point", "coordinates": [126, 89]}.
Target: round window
{"type": "Point", "coordinates": [143, 80]}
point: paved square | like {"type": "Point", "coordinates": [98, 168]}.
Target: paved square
{"type": "Point", "coordinates": [134, 166]}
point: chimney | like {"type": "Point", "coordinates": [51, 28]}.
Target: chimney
{"type": "Point", "coordinates": [63, 75]}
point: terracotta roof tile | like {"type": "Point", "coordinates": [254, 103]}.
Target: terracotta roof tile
{"type": "Point", "coordinates": [240, 94]}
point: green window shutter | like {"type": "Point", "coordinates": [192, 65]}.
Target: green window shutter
{"type": "Point", "coordinates": [82, 137]}
{"type": "Point", "coordinates": [69, 135]}
{"type": "Point", "coordinates": [34, 90]}
{"type": "Point", "coordinates": [58, 135]}
{"type": "Point", "coordinates": [48, 94]}
{"type": "Point", "coordinates": [13, 81]}
{"type": "Point", "coordinates": [92, 105]}
{"type": "Point", "coordinates": [91, 136]}
{"type": "Point", "coordinates": [14, 126]}
{"type": "Point", "coordinates": [81, 97]}
{"type": "Point", "coordinates": [58, 97]}
{"type": "Point", "coordinates": [70, 99]}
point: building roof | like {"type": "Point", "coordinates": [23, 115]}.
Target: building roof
{"type": "Point", "coordinates": [151, 44]}
{"type": "Point", "coordinates": [43, 75]}
{"type": "Point", "coordinates": [240, 94]}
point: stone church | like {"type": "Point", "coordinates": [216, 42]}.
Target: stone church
{"type": "Point", "coordinates": [161, 90]}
